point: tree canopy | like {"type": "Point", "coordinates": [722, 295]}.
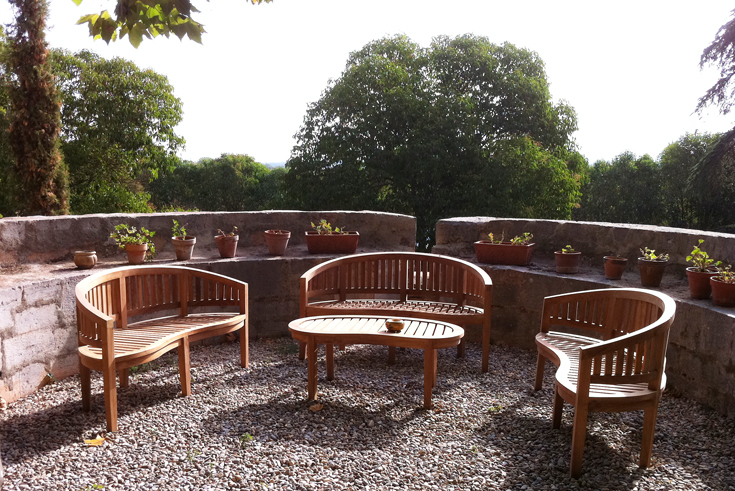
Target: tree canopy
{"type": "Point", "coordinates": [460, 128]}
{"type": "Point", "coordinates": [146, 18]}
{"type": "Point", "coordinates": [116, 133]}
{"type": "Point", "coordinates": [227, 183]}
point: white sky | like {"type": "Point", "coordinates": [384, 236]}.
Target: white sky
{"type": "Point", "coordinates": [629, 68]}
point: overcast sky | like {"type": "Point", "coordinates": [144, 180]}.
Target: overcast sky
{"type": "Point", "coordinates": [629, 68]}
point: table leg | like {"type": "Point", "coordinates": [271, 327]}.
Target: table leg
{"type": "Point", "coordinates": [330, 361]}
{"type": "Point", "coordinates": [391, 355]}
{"type": "Point", "coordinates": [429, 370]}
{"type": "Point", "coordinates": [311, 363]}
{"type": "Point", "coordinates": [436, 361]}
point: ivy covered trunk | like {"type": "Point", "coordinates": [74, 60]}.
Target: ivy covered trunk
{"type": "Point", "coordinates": [35, 126]}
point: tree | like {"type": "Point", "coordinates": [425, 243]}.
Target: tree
{"type": "Point", "coordinates": [146, 18]}
{"type": "Point", "coordinates": [713, 177]}
{"type": "Point", "coordinates": [434, 132]}
{"type": "Point", "coordinates": [626, 190]}
{"type": "Point", "coordinates": [117, 131]}
{"type": "Point", "coordinates": [678, 161]}
{"type": "Point", "coordinates": [35, 123]}
{"type": "Point", "coordinates": [228, 183]}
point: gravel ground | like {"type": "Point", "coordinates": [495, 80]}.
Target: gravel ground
{"type": "Point", "coordinates": [253, 429]}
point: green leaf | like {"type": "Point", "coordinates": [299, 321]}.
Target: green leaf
{"type": "Point", "coordinates": [77, 2]}
{"type": "Point", "coordinates": [136, 35]}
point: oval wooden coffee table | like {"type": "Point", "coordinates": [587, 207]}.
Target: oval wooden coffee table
{"type": "Point", "coordinates": [424, 334]}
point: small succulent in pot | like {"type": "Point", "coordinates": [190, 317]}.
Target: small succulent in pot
{"type": "Point", "coordinates": [723, 287]}
{"type": "Point", "coordinates": [651, 266]}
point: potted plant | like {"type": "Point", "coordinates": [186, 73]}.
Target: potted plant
{"type": "Point", "coordinates": [183, 243]}
{"type": "Point", "coordinates": [700, 273]}
{"type": "Point", "coordinates": [326, 240]}
{"type": "Point", "coordinates": [277, 240]}
{"type": "Point", "coordinates": [723, 287]}
{"type": "Point", "coordinates": [652, 267]}
{"type": "Point", "coordinates": [516, 252]}
{"type": "Point", "coordinates": [615, 266]}
{"type": "Point", "coordinates": [567, 260]}
{"type": "Point", "coordinates": [227, 243]}
{"type": "Point", "coordinates": [137, 244]}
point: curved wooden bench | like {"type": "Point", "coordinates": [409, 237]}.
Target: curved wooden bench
{"type": "Point", "coordinates": [408, 284]}
{"type": "Point", "coordinates": [621, 368]}
{"type": "Point", "coordinates": [109, 340]}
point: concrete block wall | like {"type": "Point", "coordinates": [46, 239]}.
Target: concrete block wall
{"type": "Point", "coordinates": [701, 351]}
{"type": "Point", "coordinates": [37, 302]}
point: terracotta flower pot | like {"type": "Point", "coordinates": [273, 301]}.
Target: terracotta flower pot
{"type": "Point", "coordinates": [85, 259]}
{"type": "Point", "coordinates": [615, 267]}
{"type": "Point", "coordinates": [227, 245]}
{"type": "Point", "coordinates": [332, 243]}
{"type": "Point", "coordinates": [652, 272]}
{"type": "Point", "coordinates": [504, 253]}
{"type": "Point", "coordinates": [699, 284]}
{"type": "Point", "coordinates": [567, 262]}
{"type": "Point", "coordinates": [277, 240]}
{"type": "Point", "coordinates": [136, 253]}
{"type": "Point", "coordinates": [723, 294]}
{"type": "Point", "coordinates": [184, 246]}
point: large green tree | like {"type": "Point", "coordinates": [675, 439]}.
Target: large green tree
{"type": "Point", "coordinates": [146, 18]}
{"type": "Point", "coordinates": [117, 130]}
{"type": "Point", "coordinates": [626, 190]}
{"type": "Point", "coordinates": [227, 183]}
{"type": "Point", "coordinates": [34, 121]}
{"type": "Point", "coordinates": [117, 133]}
{"type": "Point", "coordinates": [460, 128]}
{"type": "Point", "coordinates": [678, 161]}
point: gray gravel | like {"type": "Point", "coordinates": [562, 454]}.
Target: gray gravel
{"type": "Point", "coordinates": [253, 429]}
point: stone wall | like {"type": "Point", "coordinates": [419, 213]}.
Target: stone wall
{"type": "Point", "coordinates": [701, 352]}
{"type": "Point", "coordinates": [37, 303]}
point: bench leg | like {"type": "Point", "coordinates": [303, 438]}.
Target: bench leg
{"type": "Point", "coordinates": [302, 350]}
{"type": "Point", "coordinates": [85, 375]}
{"type": "Point", "coordinates": [330, 361]}
{"type": "Point", "coordinates": [540, 367]}
{"type": "Point", "coordinates": [649, 426]}
{"type": "Point", "coordinates": [429, 371]}
{"type": "Point", "coordinates": [391, 355]}
{"type": "Point", "coordinates": [124, 377]}
{"type": "Point", "coordinates": [245, 346]}
{"type": "Point", "coordinates": [558, 407]}
{"type": "Point", "coordinates": [578, 435]}
{"type": "Point", "coordinates": [461, 348]}
{"type": "Point", "coordinates": [485, 348]}
{"type": "Point", "coordinates": [110, 387]}
{"type": "Point", "coordinates": [311, 364]}
{"type": "Point", "coordinates": [184, 365]}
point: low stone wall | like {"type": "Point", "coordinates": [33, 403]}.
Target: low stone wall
{"type": "Point", "coordinates": [37, 303]}
{"type": "Point", "coordinates": [701, 352]}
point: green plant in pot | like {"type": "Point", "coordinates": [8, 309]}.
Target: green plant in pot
{"type": "Point", "coordinates": [227, 243]}
{"type": "Point", "coordinates": [702, 269]}
{"type": "Point", "coordinates": [324, 239]}
{"type": "Point", "coordinates": [516, 252]}
{"type": "Point", "coordinates": [183, 243]}
{"type": "Point", "coordinates": [614, 266]}
{"type": "Point", "coordinates": [567, 260]}
{"type": "Point", "coordinates": [723, 287]}
{"type": "Point", "coordinates": [138, 244]}
{"type": "Point", "coordinates": [652, 266]}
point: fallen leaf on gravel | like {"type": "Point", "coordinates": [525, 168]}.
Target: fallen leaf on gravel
{"type": "Point", "coordinates": [95, 442]}
{"type": "Point", "coordinates": [316, 407]}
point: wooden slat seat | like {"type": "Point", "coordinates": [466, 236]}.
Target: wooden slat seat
{"type": "Point", "coordinates": [407, 284]}
{"type": "Point", "coordinates": [109, 341]}
{"type": "Point", "coordinates": [619, 369]}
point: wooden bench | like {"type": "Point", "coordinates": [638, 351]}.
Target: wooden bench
{"type": "Point", "coordinates": [110, 340]}
{"type": "Point", "coordinates": [621, 368]}
{"type": "Point", "coordinates": [400, 284]}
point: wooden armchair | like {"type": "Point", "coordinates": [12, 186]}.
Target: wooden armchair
{"type": "Point", "coordinates": [621, 369]}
